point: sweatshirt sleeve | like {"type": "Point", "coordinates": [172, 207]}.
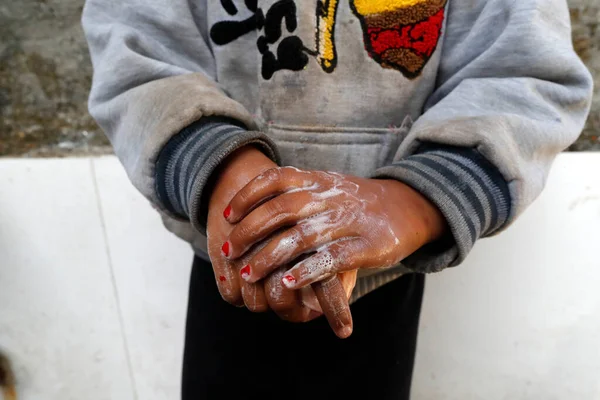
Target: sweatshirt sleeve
{"type": "Point", "coordinates": [511, 93]}
{"type": "Point", "coordinates": [154, 76]}
{"type": "Point", "coordinates": [186, 164]}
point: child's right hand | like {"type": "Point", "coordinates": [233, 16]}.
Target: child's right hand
{"type": "Point", "coordinates": [241, 168]}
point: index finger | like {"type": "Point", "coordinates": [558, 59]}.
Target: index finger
{"type": "Point", "coordinates": [265, 186]}
{"type": "Point", "coordinates": [334, 302]}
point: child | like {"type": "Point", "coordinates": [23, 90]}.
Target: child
{"type": "Point", "coordinates": [438, 121]}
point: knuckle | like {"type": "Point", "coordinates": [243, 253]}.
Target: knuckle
{"type": "Point", "coordinates": [272, 175]}
{"type": "Point", "coordinates": [260, 264]}
{"type": "Point", "coordinates": [276, 206]}
{"type": "Point", "coordinates": [281, 305]}
{"type": "Point", "coordinates": [279, 177]}
{"type": "Point", "coordinates": [232, 299]}
{"type": "Point", "coordinates": [230, 296]}
{"type": "Point", "coordinates": [344, 256]}
{"type": "Point", "coordinates": [289, 172]}
{"type": "Point", "coordinates": [297, 237]}
{"type": "Point", "coordinates": [242, 231]}
{"type": "Point", "coordinates": [355, 252]}
{"type": "Point", "coordinates": [242, 198]}
{"type": "Point", "coordinates": [254, 302]}
{"type": "Point", "coordinates": [292, 242]}
{"type": "Point", "coordinates": [279, 299]}
{"type": "Point", "coordinates": [258, 307]}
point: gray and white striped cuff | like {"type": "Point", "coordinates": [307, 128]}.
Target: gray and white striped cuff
{"type": "Point", "coordinates": [469, 191]}
{"type": "Point", "coordinates": [187, 162]}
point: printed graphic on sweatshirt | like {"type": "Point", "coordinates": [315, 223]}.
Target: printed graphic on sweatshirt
{"type": "Point", "coordinates": [397, 34]}
{"type": "Point", "coordinates": [225, 32]}
{"type": "Point", "coordinates": [326, 52]}
{"type": "Point", "coordinates": [290, 53]}
{"type": "Point", "coordinates": [401, 34]}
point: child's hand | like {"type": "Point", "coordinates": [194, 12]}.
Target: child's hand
{"type": "Point", "coordinates": [239, 169]}
{"type": "Point", "coordinates": [347, 222]}
{"type": "Point", "coordinates": [331, 298]}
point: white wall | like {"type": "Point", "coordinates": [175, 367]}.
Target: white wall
{"type": "Point", "coordinates": [521, 319]}
{"type": "Point", "coordinates": [93, 293]}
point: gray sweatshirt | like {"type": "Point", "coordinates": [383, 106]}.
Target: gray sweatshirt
{"type": "Point", "coordinates": [469, 102]}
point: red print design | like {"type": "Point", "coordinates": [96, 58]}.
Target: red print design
{"type": "Point", "coordinates": [401, 37]}
{"type": "Point", "coordinates": [421, 37]}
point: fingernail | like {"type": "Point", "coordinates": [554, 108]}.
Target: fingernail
{"type": "Point", "coordinates": [289, 281]}
{"type": "Point", "coordinates": [245, 272]}
{"type": "Point", "coordinates": [225, 249]}
{"type": "Point", "coordinates": [227, 212]}
{"type": "Point", "coordinates": [345, 332]}
{"type": "Point", "coordinates": [222, 278]}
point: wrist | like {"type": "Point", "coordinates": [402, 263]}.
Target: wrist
{"type": "Point", "coordinates": [426, 218]}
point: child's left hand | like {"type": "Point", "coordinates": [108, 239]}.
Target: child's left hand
{"type": "Point", "coordinates": [329, 298]}
{"type": "Point", "coordinates": [346, 222]}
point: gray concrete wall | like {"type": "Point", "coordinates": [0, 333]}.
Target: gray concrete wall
{"type": "Point", "coordinates": [44, 80]}
{"type": "Point", "coordinates": [45, 76]}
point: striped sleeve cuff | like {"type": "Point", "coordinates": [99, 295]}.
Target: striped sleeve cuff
{"type": "Point", "coordinates": [186, 164]}
{"type": "Point", "coordinates": [469, 191]}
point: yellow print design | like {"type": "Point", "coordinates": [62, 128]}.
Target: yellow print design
{"type": "Point", "coordinates": [326, 52]}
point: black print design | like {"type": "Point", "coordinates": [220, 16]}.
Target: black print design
{"type": "Point", "coordinates": [291, 52]}
{"type": "Point", "coordinates": [225, 32]}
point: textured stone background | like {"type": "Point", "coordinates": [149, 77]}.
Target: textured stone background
{"type": "Point", "coordinates": [585, 15]}
{"type": "Point", "coordinates": [45, 77]}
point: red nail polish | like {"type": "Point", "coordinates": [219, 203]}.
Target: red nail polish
{"type": "Point", "coordinates": [222, 278]}
{"type": "Point", "coordinates": [289, 280]}
{"type": "Point", "coordinates": [245, 272]}
{"type": "Point", "coordinates": [227, 212]}
{"type": "Point", "coordinates": [225, 249]}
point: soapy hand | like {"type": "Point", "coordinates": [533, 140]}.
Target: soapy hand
{"type": "Point", "coordinates": [329, 298]}
{"type": "Point", "coordinates": [341, 222]}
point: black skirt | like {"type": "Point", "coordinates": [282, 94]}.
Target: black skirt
{"type": "Point", "coordinates": [231, 352]}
